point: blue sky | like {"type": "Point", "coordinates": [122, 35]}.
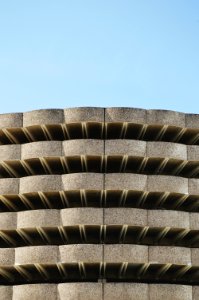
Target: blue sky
{"type": "Point", "coordinates": [142, 53]}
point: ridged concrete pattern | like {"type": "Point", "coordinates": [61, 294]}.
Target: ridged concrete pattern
{"type": "Point", "coordinates": [65, 233]}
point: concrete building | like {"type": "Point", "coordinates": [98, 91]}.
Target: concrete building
{"type": "Point", "coordinates": [99, 204]}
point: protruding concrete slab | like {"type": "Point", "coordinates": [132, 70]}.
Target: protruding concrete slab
{"type": "Point", "coordinates": [37, 218]}
{"type": "Point", "coordinates": [164, 149]}
{"type": "Point", "coordinates": [193, 152]}
{"type": "Point", "coordinates": [8, 220]}
{"type": "Point", "coordinates": [124, 114]}
{"type": "Point", "coordinates": [127, 253]}
{"type": "Point", "coordinates": [170, 292]}
{"type": "Point", "coordinates": [7, 256]}
{"type": "Point", "coordinates": [35, 292]}
{"type": "Point", "coordinates": [37, 254]}
{"type": "Point", "coordinates": [195, 292]}
{"type": "Point", "coordinates": [162, 183]}
{"type": "Point", "coordinates": [43, 116]}
{"type": "Point", "coordinates": [164, 218]}
{"type": "Point", "coordinates": [82, 181]}
{"type": "Point", "coordinates": [84, 252]}
{"type": "Point", "coordinates": [173, 255]}
{"type": "Point", "coordinates": [83, 147]}
{"type": "Point", "coordinates": [192, 120]}
{"type": "Point", "coordinates": [41, 149]}
{"type": "Point", "coordinates": [80, 291]}
{"type": "Point", "coordinates": [81, 215]}
{"type": "Point", "coordinates": [125, 147]}
{"type": "Point", "coordinates": [165, 117]}
{"type": "Point", "coordinates": [194, 186]}
{"type": "Point", "coordinates": [84, 114]}
{"type": "Point", "coordinates": [6, 292]}
{"type": "Point", "coordinates": [195, 257]}
{"type": "Point", "coordinates": [8, 152]}
{"type": "Point", "coordinates": [130, 216]}
{"type": "Point", "coordinates": [194, 221]}
{"type": "Point", "coordinates": [125, 181]}
{"type": "Point", "coordinates": [40, 183]}
{"type": "Point", "coordinates": [9, 186]}
{"type": "Point", "coordinates": [11, 120]}
{"type": "Point", "coordinates": [126, 291]}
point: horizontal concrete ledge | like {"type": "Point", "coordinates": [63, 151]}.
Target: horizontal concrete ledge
{"type": "Point", "coordinates": [99, 198]}
{"type": "Point", "coordinates": [133, 272]}
{"type": "Point", "coordinates": [99, 130]}
{"type": "Point", "coordinates": [99, 234]}
{"type": "Point", "coordinates": [99, 164]}
{"type": "Point", "coordinates": [90, 291]}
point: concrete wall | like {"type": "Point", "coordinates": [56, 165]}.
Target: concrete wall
{"type": "Point", "coordinates": [27, 136]}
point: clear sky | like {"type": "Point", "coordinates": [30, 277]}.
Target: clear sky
{"type": "Point", "coordinates": [135, 53]}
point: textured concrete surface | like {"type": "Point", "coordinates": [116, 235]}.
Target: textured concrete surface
{"type": "Point", "coordinates": [80, 291]}
{"type": "Point", "coordinates": [126, 291]}
{"type": "Point", "coordinates": [11, 120]}
{"type": "Point", "coordinates": [170, 292]}
{"type": "Point", "coordinates": [86, 147]}
{"type": "Point", "coordinates": [43, 116]}
{"type": "Point", "coordinates": [165, 117]}
{"type": "Point", "coordinates": [160, 183]}
{"type": "Point", "coordinates": [41, 149]}
{"type": "Point", "coordinates": [84, 114]}
{"type": "Point", "coordinates": [35, 292]}
{"type": "Point", "coordinates": [127, 253]}
{"type": "Point", "coordinates": [183, 149]}
{"type": "Point", "coordinates": [164, 149]}
{"type": "Point", "coordinates": [175, 255]}
{"type": "Point", "coordinates": [118, 114]}
{"type": "Point", "coordinates": [125, 147]}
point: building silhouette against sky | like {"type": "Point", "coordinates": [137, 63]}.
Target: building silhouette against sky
{"type": "Point", "coordinates": [99, 204]}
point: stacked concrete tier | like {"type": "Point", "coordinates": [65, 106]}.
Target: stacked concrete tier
{"type": "Point", "coordinates": [99, 203]}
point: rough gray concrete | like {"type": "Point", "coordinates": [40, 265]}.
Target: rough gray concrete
{"type": "Point", "coordinates": [140, 216]}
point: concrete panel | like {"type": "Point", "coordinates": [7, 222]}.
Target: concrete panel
{"type": "Point", "coordinates": [125, 147]}
{"type": "Point", "coordinates": [126, 253]}
{"type": "Point", "coordinates": [122, 114]}
{"type": "Point", "coordinates": [36, 254]}
{"type": "Point", "coordinates": [35, 292]}
{"type": "Point", "coordinates": [43, 183]}
{"type": "Point", "coordinates": [125, 181]}
{"type": "Point", "coordinates": [195, 256]}
{"type": "Point", "coordinates": [81, 215]}
{"type": "Point", "coordinates": [170, 292]}
{"type": "Point", "coordinates": [194, 186]}
{"type": "Point", "coordinates": [130, 216]}
{"type": "Point", "coordinates": [7, 256]}
{"type": "Point", "coordinates": [194, 220]}
{"type": "Point", "coordinates": [6, 292]}
{"type": "Point", "coordinates": [80, 291]}
{"type": "Point", "coordinates": [174, 255]}
{"type": "Point", "coordinates": [193, 152]}
{"type": "Point", "coordinates": [82, 181]}
{"type": "Point", "coordinates": [9, 185]}
{"type": "Point", "coordinates": [41, 149]}
{"type": "Point", "coordinates": [36, 218]}
{"type": "Point", "coordinates": [85, 252]}
{"type": "Point", "coordinates": [8, 152]}
{"type": "Point", "coordinates": [192, 120]}
{"type": "Point", "coordinates": [43, 116]}
{"type": "Point", "coordinates": [195, 292]}
{"type": "Point", "coordinates": [126, 291]}
{"type": "Point", "coordinates": [11, 120]}
{"type": "Point", "coordinates": [165, 117]}
{"type": "Point", "coordinates": [162, 183]}
{"type": "Point", "coordinates": [84, 114]}
{"type": "Point", "coordinates": [164, 218]}
{"type": "Point", "coordinates": [164, 149]}
{"type": "Point", "coordinates": [83, 147]}
{"type": "Point", "coordinates": [8, 220]}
